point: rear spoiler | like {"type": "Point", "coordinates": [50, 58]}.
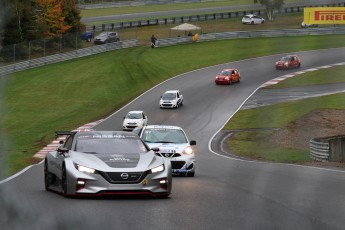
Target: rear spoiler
{"type": "Point", "coordinates": [64, 133]}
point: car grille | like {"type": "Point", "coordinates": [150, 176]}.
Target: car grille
{"type": "Point", "coordinates": [116, 178]}
{"type": "Point", "coordinates": [168, 154]}
{"type": "Point", "coordinates": [177, 164]}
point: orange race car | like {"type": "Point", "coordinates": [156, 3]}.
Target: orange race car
{"type": "Point", "coordinates": [287, 62]}
{"type": "Point", "coordinates": [227, 77]}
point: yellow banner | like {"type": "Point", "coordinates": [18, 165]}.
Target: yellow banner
{"type": "Point", "coordinates": [324, 15]}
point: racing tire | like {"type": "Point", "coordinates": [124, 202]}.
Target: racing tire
{"type": "Point", "coordinates": [191, 174]}
{"type": "Point", "coordinates": [252, 22]}
{"type": "Point", "coordinates": [64, 181]}
{"type": "Point", "coordinates": [48, 177]}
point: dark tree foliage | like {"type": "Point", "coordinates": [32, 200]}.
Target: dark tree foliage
{"type": "Point", "coordinates": [24, 23]}
{"type": "Point", "coordinates": [72, 16]}
{"type": "Point", "coordinates": [20, 24]}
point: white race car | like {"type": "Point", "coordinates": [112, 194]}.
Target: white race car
{"type": "Point", "coordinates": [173, 143]}
{"type": "Point", "coordinates": [171, 99]}
{"type": "Point", "coordinates": [134, 119]}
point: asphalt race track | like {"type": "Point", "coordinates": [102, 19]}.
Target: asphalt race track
{"type": "Point", "coordinates": [225, 193]}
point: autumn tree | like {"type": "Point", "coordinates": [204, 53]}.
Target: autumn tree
{"type": "Point", "coordinates": [50, 18]}
{"type": "Point", "coordinates": [270, 6]}
{"type": "Point", "coordinates": [71, 13]}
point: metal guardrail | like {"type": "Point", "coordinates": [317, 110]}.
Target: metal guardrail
{"type": "Point", "coordinates": [8, 69]}
{"type": "Point", "coordinates": [319, 149]}
{"type": "Point", "coordinates": [252, 34]}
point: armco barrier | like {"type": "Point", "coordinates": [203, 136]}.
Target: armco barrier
{"type": "Point", "coordinates": [319, 149]}
{"type": "Point", "coordinates": [328, 148]}
{"type": "Point", "coordinates": [8, 69]}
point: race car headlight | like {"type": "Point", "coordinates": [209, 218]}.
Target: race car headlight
{"type": "Point", "coordinates": [157, 169]}
{"type": "Point", "coordinates": [188, 150]}
{"type": "Point", "coordinates": [286, 63]}
{"type": "Point", "coordinates": [85, 169]}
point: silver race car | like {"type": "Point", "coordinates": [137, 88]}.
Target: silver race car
{"type": "Point", "coordinates": [173, 144]}
{"type": "Point", "coordinates": [106, 162]}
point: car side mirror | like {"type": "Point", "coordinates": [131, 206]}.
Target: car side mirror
{"type": "Point", "coordinates": [192, 142]}
{"type": "Point", "coordinates": [155, 149]}
{"type": "Point", "coordinates": [62, 150]}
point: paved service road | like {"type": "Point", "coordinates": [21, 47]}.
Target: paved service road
{"type": "Point", "coordinates": [225, 193]}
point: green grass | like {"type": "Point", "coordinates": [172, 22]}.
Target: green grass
{"type": "Point", "coordinates": [252, 144]}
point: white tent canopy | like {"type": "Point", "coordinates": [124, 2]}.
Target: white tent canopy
{"type": "Point", "coordinates": [186, 27]}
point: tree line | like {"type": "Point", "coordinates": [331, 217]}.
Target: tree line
{"type": "Point", "coordinates": [27, 20]}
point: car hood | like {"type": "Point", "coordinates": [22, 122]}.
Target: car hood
{"type": "Point", "coordinates": [101, 37]}
{"type": "Point", "coordinates": [281, 62]}
{"type": "Point", "coordinates": [169, 146]}
{"type": "Point", "coordinates": [135, 121]}
{"type": "Point", "coordinates": [116, 161]}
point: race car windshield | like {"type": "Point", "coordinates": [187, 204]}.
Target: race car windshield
{"type": "Point", "coordinates": [110, 145]}
{"type": "Point", "coordinates": [225, 73]}
{"type": "Point", "coordinates": [164, 136]}
{"type": "Point", "coordinates": [104, 34]}
{"type": "Point", "coordinates": [169, 96]}
{"type": "Point", "coordinates": [134, 116]}
{"type": "Point", "coordinates": [284, 59]}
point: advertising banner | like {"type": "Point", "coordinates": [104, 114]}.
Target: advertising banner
{"type": "Point", "coordinates": [324, 15]}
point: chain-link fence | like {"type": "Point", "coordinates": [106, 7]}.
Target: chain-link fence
{"type": "Point", "coordinates": [45, 47]}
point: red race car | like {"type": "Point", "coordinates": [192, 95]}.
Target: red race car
{"type": "Point", "coordinates": [227, 77]}
{"type": "Point", "coordinates": [287, 62]}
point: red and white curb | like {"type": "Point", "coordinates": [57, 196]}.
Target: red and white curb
{"type": "Point", "coordinates": [56, 143]}
{"type": "Point", "coordinates": [282, 78]}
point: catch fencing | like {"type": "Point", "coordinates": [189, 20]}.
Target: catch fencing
{"type": "Point", "coordinates": [24, 65]}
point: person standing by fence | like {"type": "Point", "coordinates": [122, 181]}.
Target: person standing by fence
{"type": "Point", "coordinates": [153, 41]}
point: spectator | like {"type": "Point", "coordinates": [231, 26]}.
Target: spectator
{"type": "Point", "coordinates": [153, 41]}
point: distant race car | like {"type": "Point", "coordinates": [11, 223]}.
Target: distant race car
{"type": "Point", "coordinates": [252, 19]}
{"type": "Point", "coordinates": [171, 99]}
{"type": "Point", "coordinates": [105, 163]}
{"type": "Point", "coordinates": [134, 119]}
{"type": "Point", "coordinates": [287, 62]}
{"type": "Point", "coordinates": [173, 144]}
{"type": "Point", "coordinates": [227, 77]}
